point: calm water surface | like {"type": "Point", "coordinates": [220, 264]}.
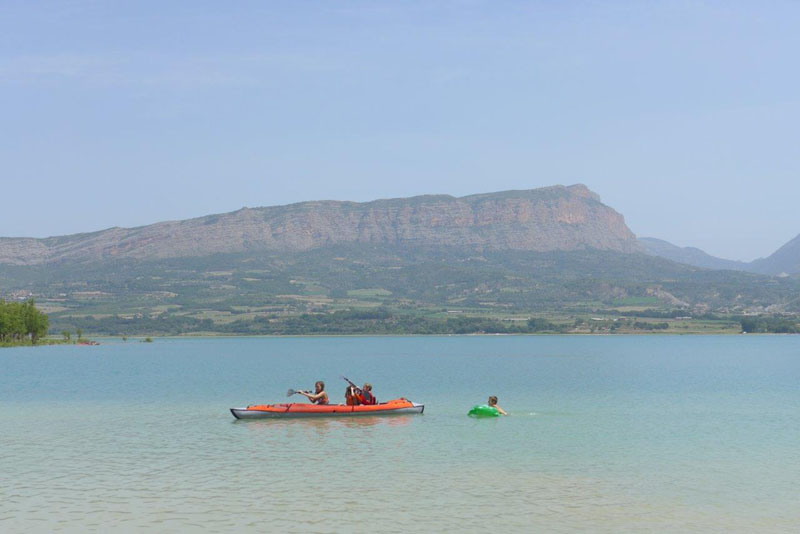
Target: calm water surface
{"type": "Point", "coordinates": [607, 434]}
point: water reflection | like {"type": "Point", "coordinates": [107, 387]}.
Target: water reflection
{"type": "Point", "coordinates": [325, 424]}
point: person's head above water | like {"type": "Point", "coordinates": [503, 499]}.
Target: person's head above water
{"type": "Point", "coordinates": [493, 404]}
{"type": "Point", "coordinates": [319, 385]}
{"type": "Point", "coordinates": [367, 386]}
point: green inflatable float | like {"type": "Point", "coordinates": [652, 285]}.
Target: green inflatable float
{"type": "Point", "coordinates": [483, 410]}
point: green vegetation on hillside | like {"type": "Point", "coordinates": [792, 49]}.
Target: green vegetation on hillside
{"type": "Point", "coordinates": [339, 322]}
{"type": "Point", "coordinates": [771, 325]}
{"type": "Point", "coordinates": [413, 290]}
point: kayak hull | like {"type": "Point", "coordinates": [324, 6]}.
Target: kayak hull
{"type": "Point", "coordinates": [297, 410]}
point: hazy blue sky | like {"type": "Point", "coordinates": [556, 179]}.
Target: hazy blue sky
{"type": "Point", "coordinates": [683, 116]}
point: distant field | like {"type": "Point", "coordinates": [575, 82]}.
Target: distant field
{"type": "Point", "coordinates": [369, 293]}
{"type": "Point", "coordinates": [380, 314]}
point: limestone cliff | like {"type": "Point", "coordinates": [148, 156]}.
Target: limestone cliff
{"type": "Point", "coordinates": [551, 218]}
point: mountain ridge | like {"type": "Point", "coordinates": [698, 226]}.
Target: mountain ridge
{"type": "Point", "coordinates": [689, 255]}
{"type": "Point", "coordinates": [551, 218]}
{"type": "Point", "coordinates": [783, 262]}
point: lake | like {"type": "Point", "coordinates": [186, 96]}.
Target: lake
{"type": "Point", "coordinates": [606, 434]}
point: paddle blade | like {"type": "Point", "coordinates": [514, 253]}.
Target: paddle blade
{"type": "Point", "coordinates": [290, 392]}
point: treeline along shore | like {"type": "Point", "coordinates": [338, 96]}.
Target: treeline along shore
{"type": "Point", "coordinates": [21, 323]}
{"type": "Point", "coordinates": [388, 322]}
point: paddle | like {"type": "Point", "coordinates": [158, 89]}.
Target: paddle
{"type": "Point", "coordinates": [348, 381]}
{"type": "Point", "coordinates": [352, 385]}
{"type": "Point", "coordinates": [291, 392]}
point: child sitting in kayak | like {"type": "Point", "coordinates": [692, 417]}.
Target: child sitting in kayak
{"type": "Point", "coordinates": [493, 404]}
{"type": "Point", "coordinates": [351, 397]}
{"type": "Point", "coordinates": [319, 396]}
{"type": "Point", "coordinates": [365, 395]}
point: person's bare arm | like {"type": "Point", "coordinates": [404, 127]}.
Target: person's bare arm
{"type": "Point", "coordinates": [499, 409]}
{"type": "Point", "coordinates": [314, 397]}
{"type": "Point", "coordinates": [310, 396]}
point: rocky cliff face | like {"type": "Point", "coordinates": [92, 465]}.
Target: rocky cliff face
{"type": "Point", "coordinates": [551, 218]}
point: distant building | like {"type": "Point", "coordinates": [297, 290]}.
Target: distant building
{"type": "Point", "coordinates": [21, 294]}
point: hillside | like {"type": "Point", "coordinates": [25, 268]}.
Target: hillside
{"type": "Point", "coordinates": [689, 255]}
{"type": "Point", "coordinates": [388, 289]}
{"type": "Point", "coordinates": [551, 218]}
{"type": "Point", "coordinates": [785, 260]}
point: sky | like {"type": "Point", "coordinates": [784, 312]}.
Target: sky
{"type": "Point", "coordinates": [683, 116]}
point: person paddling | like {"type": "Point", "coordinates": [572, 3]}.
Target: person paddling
{"type": "Point", "coordinates": [493, 404]}
{"type": "Point", "coordinates": [351, 397]}
{"type": "Point", "coordinates": [319, 396]}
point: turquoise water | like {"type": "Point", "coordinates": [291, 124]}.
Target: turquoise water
{"type": "Point", "coordinates": [607, 434]}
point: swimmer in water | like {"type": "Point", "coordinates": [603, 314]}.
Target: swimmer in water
{"type": "Point", "coordinates": [493, 404]}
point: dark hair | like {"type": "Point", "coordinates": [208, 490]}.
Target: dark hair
{"type": "Point", "coordinates": [321, 384]}
{"type": "Point", "coordinates": [492, 400]}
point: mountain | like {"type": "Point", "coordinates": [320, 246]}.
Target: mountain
{"type": "Point", "coordinates": [689, 255]}
{"type": "Point", "coordinates": [785, 260]}
{"type": "Point", "coordinates": [429, 264]}
{"type": "Point", "coordinates": [546, 219]}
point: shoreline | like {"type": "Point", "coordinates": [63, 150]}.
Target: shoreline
{"type": "Point", "coordinates": [101, 339]}
{"type": "Point", "coordinates": [138, 339]}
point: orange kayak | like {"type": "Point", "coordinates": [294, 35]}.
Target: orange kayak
{"type": "Point", "coordinates": [259, 411]}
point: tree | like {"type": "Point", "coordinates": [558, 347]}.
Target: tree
{"type": "Point", "coordinates": [79, 331]}
{"type": "Point", "coordinates": [12, 321]}
{"type": "Point", "coordinates": [66, 335]}
{"type": "Point", "coordinates": [36, 322]}
{"type": "Point", "coordinates": [5, 321]}
{"type": "Point", "coordinates": [537, 324]}
{"type": "Point", "coordinates": [19, 321]}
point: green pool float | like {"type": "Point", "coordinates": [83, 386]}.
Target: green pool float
{"type": "Point", "coordinates": [483, 410]}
